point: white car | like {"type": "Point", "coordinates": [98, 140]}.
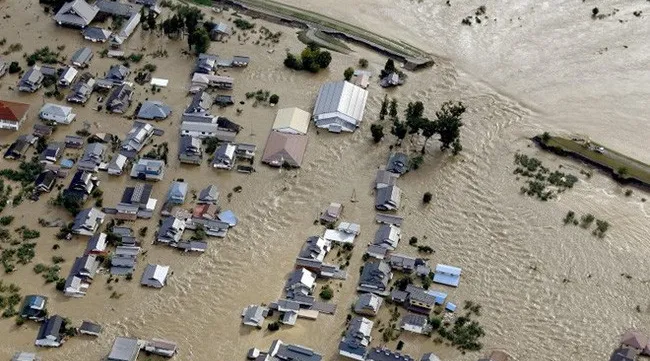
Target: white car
{"type": "Point", "coordinates": [600, 150]}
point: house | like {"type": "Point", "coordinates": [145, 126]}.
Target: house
{"type": "Point", "coordinates": [116, 165]}
{"type": "Point", "coordinates": [416, 323]}
{"type": "Point", "coordinates": [404, 263]}
{"type": "Point", "coordinates": [388, 236]}
{"type": "Point", "coordinates": [45, 181]}
{"type": "Point", "coordinates": [48, 71]}
{"type": "Point", "coordinates": [340, 106]}
{"type": "Point", "coordinates": [77, 13]}
{"type": "Point", "coordinates": [116, 75]}
{"type": "Point", "coordinates": [124, 349]}
{"type": "Point", "coordinates": [385, 179]}
{"type": "Point", "coordinates": [430, 357]}
{"type": "Point", "coordinates": [315, 248]}
{"type": "Point", "coordinates": [245, 151]}
{"type": "Point", "coordinates": [284, 149]}
{"type": "Point", "coordinates": [161, 347]}
{"type": "Point", "coordinates": [254, 315]}
{"type": "Point", "coordinates": [377, 252]}
{"type": "Point", "coordinates": [116, 8]}
{"type": "Point", "coordinates": [120, 99]}
{"type": "Point", "coordinates": [88, 221]}
{"type": "Point", "coordinates": [171, 230]}
{"type": "Point", "coordinates": [92, 157]}
{"type": "Point", "coordinates": [137, 137]}
{"type": "Point", "coordinates": [40, 130]}
{"type": "Point", "coordinates": [388, 198]}
{"type": "Point", "coordinates": [80, 277]}
{"type": "Point", "coordinates": [205, 64]}
{"type": "Point", "coordinates": [154, 110]}
{"type": "Point", "coordinates": [219, 31]}
{"type": "Point", "coordinates": [25, 356]}
{"type": "Point", "coordinates": [82, 185]}
{"type": "Point", "coordinates": [90, 328]}
{"type": "Point", "coordinates": [390, 80]}
{"type": "Point", "coordinates": [279, 351]}
{"type": "Point", "coordinates": [127, 29]}
{"type": "Point", "coordinates": [208, 195]}
{"type": "Point", "coordinates": [362, 79]}
{"type": "Point", "coordinates": [300, 282]}
{"type": "Point", "coordinates": [56, 113]}
{"type": "Point", "coordinates": [81, 91]}
{"type": "Point", "coordinates": [97, 244]}
{"type": "Point", "coordinates": [51, 333]}
{"type": "Point", "coordinates": [212, 227]}
{"type": "Point", "coordinates": [291, 121]}
{"type": "Point", "coordinates": [345, 232]}
{"type": "Point", "coordinates": [82, 57]}
{"type": "Point", "coordinates": [19, 147]}
{"type": "Point", "coordinates": [375, 277]}
{"type": "Point", "coordinates": [239, 61]}
{"type": "Point", "coordinates": [136, 203]}
{"type": "Point", "coordinates": [368, 304]}
{"type": "Point", "coordinates": [384, 354]}
{"type": "Point", "coordinates": [201, 81]}
{"type": "Point", "coordinates": [502, 356]}
{"type": "Point", "coordinates": [357, 338]}
{"type": "Point", "coordinates": [204, 130]}
{"type": "Point", "coordinates": [154, 276]}
{"type": "Point", "coordinates": [34, 308]}
{"type": "Point", "coordinates": [124, 260]}
{"type": "Point", "coordinates": [4, 67]}
{"type": "Point", "coordinates": [419, 300]}
{"type": "Point", "coordinates": [189, 150]}
{"type": "Point", "coordinates": [67, 76]}
{"type": "Point", "coordinates": [177, 192]}
{"type": "Point", "coordinates": [96, 35]}
{"type": "Point", "coordinates": [32, 80]}
{"type": "Point", "coordinates": [148, 169]}
{"type": "Point", "coordinates": [224, 156]}
{"type": "Point", "coordinates": [331, 213]}
{"type": "Point", "coordinates": [51, 153]}
{"type": "Point", "coordinates": [224, 100]}
{"type": "Point", "coordinates": [447, 275]}
{"type": "Point", "coordinates": [200, 104]}
{"type": "Point", "coordinates": [398, 163]}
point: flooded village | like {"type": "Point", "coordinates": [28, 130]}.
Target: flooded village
{"type": "Point", "coordinates": [190, 182]}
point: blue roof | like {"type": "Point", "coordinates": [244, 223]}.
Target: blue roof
{"type": "Point", "coordinates": [443, 268]}
{"type": "Point", "coordinates": [445, 279]}
{"type": "Point", "coordinates": [67, 163]}
{"type": "Point", "coordinates": [229, 217]}
{"type": "Point", "coordinates": [35, 301]}
{"type": "Point", "coordinates": [450, 307]}
{"type": "Point", "coordinates": [440, 296]}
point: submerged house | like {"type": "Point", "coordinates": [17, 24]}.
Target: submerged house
{"type": "Point", "coordinates": [284, 149]}
{"type": "Point", "coordinates": [90, 328]}
{"type": "Point", "coordinates": [385, 179]}
{"type": "Point", "coordinates": [57, 113]}
{"type": "Point", "coordinates": [32, 80]}
{"type": "Point", "coordinates": [12, 114]}
{"type": "Point", "coordinates": [301, 282]}
{"type": "Point", "coordinates": [51, 333]}
{"type": "Point", "coordinates": [124, 260]}
{"type": "Point", "coordinates": [137, 137]}
{"type": "Point", "coordinates": [127, 29]}
{"type": "Point", "coordinates": [340, 106]}
{"type": "Point", "coordinates": [77, 13]}
{"type": "Point", "coordinates": [97, 244]}
{"type": "Point", "coordinates": [34, 308]}
{"type": "Point", "coordinates": [189, 150]}
{"type": "Point", "coordinates": [224, 156]}
{"type": "Point", "coordinates": [120, 99]}
{"type": "Point", "coordinates": [148, 169]}
{"type": "Point", "coordinates": [116, 75]}
{"type": "Point", "coordinates": [254, 315]}
{"type": "Point", "coordinates": [155, 276]}
{"type": "Point", "coordinates": [220, 31]}
{"type": "Point", "coordinates": [88, 221]}
{"type": "Point", "coordinates": [420, 300]}
{"type": "Point", "coordinates": [375, 278]}
{"type": "Point", "coordinates": [213, 127]}
{"type": "Point", "coordinates": [177, 192]}
{"type": "Point", "coordinates": [67, 76]}
{"type": "Point", "coordinates": [161, 347]}
{"type": "Point", "coordinates": [45, 181]}
{"type": "Point", "coordinates": [202, 81]}
{"type": "Point", "coordinates": [171, 230]}
{"type": "Point", "coordinates": [92, 157]}
{"type": "Point", "coordinates": [398, 163]}
{"type": "Point", "coordinates": [154, 110]}
{"type": "Point", "coordinates": [279, 351]}
{"type": "Point", "coordinates": [81, 91]}
{"type": "Point", "coordinates": [208, 195]}
{"type": "Point", "coordinates": [81, 58]}
{"type": "Point", "coordinates": [416, 323]}
{"type": "Point", "coordinates": [206, 64]}
{"type": "Point", "coordinates": [19, 147]}
{"type": "Point", "coordinates": [388, 198]}
{"type": "Point", "coordinates": [96, 35]}
{"type": "Point", "coordinates": [357, 338]}
{"type": "Point", "coordinates": [124, 349]}
{"type": "Point", "coordinates": [368, 304]}
{"type": "Point", "coordinates": [292, 121]}
{"type": "Point", "coordinates": [331, 213]}
{"type": "Point", "coordinates": [51, 154]}
{"type": "Point", "coordinates": [81, 275]}
{"type": "Point", "coordinates": [388, 236]}
{"type": "Point", "coordinates": [136, 203]}
{"type": "Point", "coordinates": [384, 354]}
{"type": "Point", "coordinates": [117, 164]}
{"type": "Point", "coordinates": [25, 356]}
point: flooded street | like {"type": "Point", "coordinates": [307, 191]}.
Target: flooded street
{"type": "Point", "coordinates": [549, 292]}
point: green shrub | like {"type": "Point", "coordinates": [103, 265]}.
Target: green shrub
{"type": "Point", "coordinates": [326, 293]}
{"type": "Point", "coordinates": [426, 198]}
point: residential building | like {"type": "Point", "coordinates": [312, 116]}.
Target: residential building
{"type": "Point", "coordinates": [300, 282]}
{"type": "Point", "coordinates": [315, 248]}
{"type": "Point", "coordinates": [398, 163]}
{"type": "Point", "coordinates": [155, 276]}
{"type": "Point", "coordinates": [431, 357]}
{"type": "Point", "coordinates": [206, 64]}
{"type": "Point", "coordinates": [212, 227]}
{"type": "Point", "coordinates": [136, 138]}
{"type": "Point", "coordinates": [171, 230]}
{"type": "Point", "coordinates": [45, 181]}
{"type": "Point", "coordinates": [345, 232]}
{"type": "Point", "coordinates": [90, 328]}
{"type": "Point", "coordinates": [279, 351]}
{"type": "Point", "coordinates": [57, 113]}
{"type": "Point", "coordinates": [177, 192]}
{"type": "Point", "coordinates": [202, 81]}
{"type": "Point", "coordinates": [81, 57]}
{"type": "Point", "coordinates": [96, 35]}
{"type": "Point", "coordinates": [331, 213]}
{"type": "Point", "coordinates": [340, 106]}
{"type": "Point", "coordinates": [357, 338]}
{"type": "Point", "coordinates": [224, 100]}
{"type": "Point", "coordinates": [51, 154]}
{"type": "Point", "coordinates": [48, 71]}
{"type": "Point", "coordinates": [34, 308]}
{"type": "Point", "coordinates": [124, 260]}
{"type": "Point", "coordinates": [76, 13]}
{"type": "Point", "coordinates": [81, 90]}
{"type": "Point", "coordinates": [81, 275]}
{"type": "Point", "coordinates": [384, 354]}
{"type": "Point", "coordinates": [377, 252]}
{"type": "Point", "coordinates": [362, 78]}
{"type": "Point", "coordinates": [284, 149]}
{"type": "Point", "coordinates": [25, 356]}
{"type": "Point", "coordinates": [224, 156]}
{"type": "Point", "coordinates": [208, 195]}
{"type": "Point", "coordinates": [447, 275]}
{"type": "Point", "coordinates": [220, 31]}
{"type": "Point", "coordinates": [127, 29]}
{"type": "Point", "coordinates": [383, 218]}
{"type": "Point", "coordinates": [161, 347]}
{"type": "Point", "coordinates": [136, 203]}
{"type": "Point", "coordinates": [154, 110]}
{"type": "Point", "coordinates": [201, 103]}
{"type": "Point", "coordinates": [388, 236]}
{"type": "Point", "coordinates": [416, 323]}
{"type": "Point", "coordinates": [239, 61]}
{"type": "Point", "coordinates": [97, 244]}
{"type": "Point", "coordinates": [88, 221]}
{"type": "Point", "coordinates": [210, 129]}
{"type": "Point", "coordinates": [117, 8]}
{"type": "Point", "coordinates": [120, 99]}
{"type": "Point", "coordinates": [51, 332]}
{"type": "Point", "coordinates": [148, 169]}
{"type": "Point", "coordinates": [40, 130]}
{"type": "Point", "coordinates": [368, 304]}
{"type": "Point", "coordinates": [19, 147]}
{"type": "Point", "coordinates": [67, 76]}
{"type": "Point", "coordinates": [124, 349]}
{"type": "Point", "coordinates": [254, 315]}
{"type": "Point", "coordinates": [292, 121]}
{"type": "Point", "coordinates": [375, 277]}
{"type": "Point", "coordinates": [189, 150]}
{"type": "Point", "coordinates": [404, 263]}
{"type": "Point", "coordinates": [116, 75]}
{"type": "Point", "coordinates": [92, 157]}
{"type": "Point", "coordinates": [419, 300]}
{"type": "Point", "coordinates": [388, 198]}
{"type": "Point", "coordinates": [385, 179]}
{"type": "Point", "coordinates": [245, 151]}
{"type": "Point", "coordinates": [116, 165]}
{"type": "Point", "coordinates": [32, 80]}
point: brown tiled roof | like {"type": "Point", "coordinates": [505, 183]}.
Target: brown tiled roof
{"type": "Point", "coordinates": [12, 110]}
{"type": "Point", "coordinates": [290, 147]}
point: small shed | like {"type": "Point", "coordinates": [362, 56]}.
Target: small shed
{"type": "Point", "coordinates": [90, 328]}
{"type": "Point", "coordinates": [447, 275]}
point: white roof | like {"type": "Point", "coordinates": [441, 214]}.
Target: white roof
{"type": "Point", "coordinates": [443, 268]}
{"type": "Point", "coordinates": [160, 273]}
{"type": "Point", "coordinates": [335, 235]}
{"type": "Point", "coordinates": [159, 82]}
{"type": "Point", "coordinates": [292, 120]}
{"type": "Point", "coordinates": [56, 109]}
{"type": "Point", "coordinates": [342, 100]}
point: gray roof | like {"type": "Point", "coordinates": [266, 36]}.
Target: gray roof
{"type": "Point", "coordinates": [201, 103]}
{"type": "Point", "coordinates": [138, 195]}
{"type": "Point", "coordinates": [357, 338]}
{"type": "Point", "coordinates": [387, 236]}
{"type": "Point", "coordinates": [189, 150]}
{"type": "Point", "coordinates": [375, 274]}
{"type": "Point", "coordinates": [117, 72]}
{"type": "Point", "coordinates": [87, 221]}
{"type": "Point", "coordinates": [154, 275]}
{"type": "Point", "coordinates": [85, 266]}
{"type": "Point", "coordinates": [420, 295]}
{"type": "Point", "coordinates": [368, 303]}
{"type": "Point", "coordinates": [398, 163]}
{"type": "Point", "coordinates": [209, 194]}
{"type": "Point", "coordinates": [414, 320]}
{"type": "Point", "coordinates": [32, 79]}
{"type": "Point", "coordinates": [83, 55]}
{"type": "Point", "coordinates": [287, 352]}
{"type": "Point", "coordinates": [384, 354]}
{"type": "Point", "coordinates": [340, 103]}
{"type": "Point", "coordinates": [221, 28]}
{"type": "Point", "coordinates": [25, 356]}
{"type": "Point", "coordinates": [177, 191]}
{"type": "Point", "coordinates": [51, 328]}
{"type": "Point", "coordinates": [154, 110]}
{"type": "Point", "coordinates": [171, 230]}
{"type": "Point", "coordinates": [137, 136]}
{"type": "Point", "coordinates": [312, 249]}
{"type": "Point", "coordinates": [81, 91]}
{"type": "Point", "coordinates": [117, 8]}
{"type": "Point", "coordinates": [77, 13]}
{"type": "Point", "coordinates": [120, 99]}
{"type": "Point", "coordinates": [96, 243]}
{"type": "Point", "coordinates": [95, 33]}
{"type": "Point", "coordinates": [124, 349]}
{"type": "Point", "coordinates": [388, 198]}
{"type": "Point", "coordinates": [254, 315]}
{"type": "Point", "coordinates": [385, 178]}
{"type": "Point", "coordinates": [205, 63]}
{"type": "Point", "coordinates": [90, 327]}
{"type": "Point", "coordinates": [403, 262]}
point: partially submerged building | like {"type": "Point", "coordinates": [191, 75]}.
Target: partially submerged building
{"type": "Point", "coordinates": [34, 308]}
{"type": "Point", "coordinates": [96, 34]}
{"type": "Point", "coordinates": [136, 203]}
{"type": "Point", "coordinates": [124, 349]}
{"type": "Point", "coordinates": [88, 221]}
{"type": "Point", "coordinates": [12, 114]}
{"type": "Point", "coordinates": [32, 80]}
{"type": "Point", "coordinates": [51, 332]}
{"type": "Point", "coordinates": [357, 338]}
{"type": "Point", "coordinates": [137, 137]}
{"type": "Point", "coordinates": [57, 113]}
{"type": "Point", "coordinates": [120, 99]}
{"type": "Point", "coordinates": [148, 169]}
{"type": "Point", "coordinates": [224, 156]}
{"type": "Point", "coordinates": [388, 236]}
{"type": "Point", "coordinates": [368, 304]}
{"type": "Point", "coordinates": [340, 106]}
{"type": "Point", "coordinates": [154, 110]}
{"type": "Point", "coordinates": [77, 13]}
{"type": "Point", "coordinates": [285, 150]}
{"type": "Point", "coordinates": [388, 198]}
{"type": "Point", "coordinates": [189, 150]}
{"type": "Point", "coordinates": [155, 276]}
{"type": "Point", "coordinates": [93, 156]}
{"type": "Point", "coordinates": [292, 121]}
{"type": "Point", "coordinates": [375, 278]}
{"type": "Point", "coordinates": [254, 315]}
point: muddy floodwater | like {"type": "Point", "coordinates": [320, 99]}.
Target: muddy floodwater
{"type": "Point", "coordinates": [549, 292]}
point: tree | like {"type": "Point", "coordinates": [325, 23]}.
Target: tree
{"type": "Point", "coordinates": [323, 59]}
{"type": "Point", "coordinates": [399, 129]}
{"type": "Point", "coordinates": [393, 109]}
{"type": "Point", "coordinates": [308, 59]}
{"type": "Point", "coordinates": [546, 137]}
{"type": "Point", "coordinates": [389, 67]}
{"type": "Point", "coordinates": [201, 40]}
{"type": "Point", "coordinates": [363, 63]}
{"type": "Point", "coordinates": [326, 293]}
{"type": "Point", "coordinates": [414, 110]}
{"type": "Point", "coordinates": [377, 131]}
{"type": "Point", "coordinates": [448, 124]}
{"type": "Point", "coordinates": [384, 108]}
{"type": "Point", "coordinates": [426, 198]}
{"type": "Point", "coordinates": [274, 99]}
{"type": "Point", "coordinates": [14, 67]}
{"type": "Point", "coordinates": [347, 74]}
{"type": "Point", "coordinates": [292, 62]}
{"type": "Point", "coordinates": [151, 21]}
